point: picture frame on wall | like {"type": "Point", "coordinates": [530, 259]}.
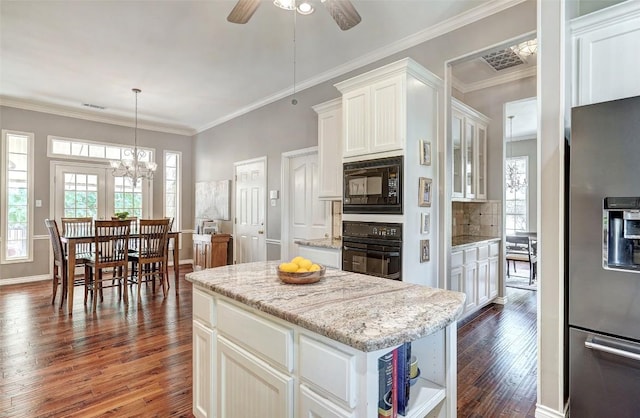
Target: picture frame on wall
{"type": "Point", "coordinates": [425, 152]}
{"type": "Point", "coordinates": [424, 251]}
{"type": "Point", "coordinates": [425, 220]}
{"type": "Point", "coordinates": [424, 192]}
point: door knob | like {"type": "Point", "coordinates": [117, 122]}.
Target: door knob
{"type": "Point", "coordinates": [261, 232]}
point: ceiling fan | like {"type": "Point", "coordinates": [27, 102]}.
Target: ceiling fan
{"type": "Point", "coordinates": [342, 11]}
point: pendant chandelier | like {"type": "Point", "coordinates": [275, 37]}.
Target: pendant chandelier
{"type": "Point", "coordinates": [515, 182]}
{"type": "Point", "coordinates": [133, 165]}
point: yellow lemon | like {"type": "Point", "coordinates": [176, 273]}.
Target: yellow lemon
{"type": "Point", "coordinates": [315, 267]}
{"type": "Point", "coordinates": [305, 264]}
{"type": "Point", "coordinates": [288, 267]}
{"type": "Point", "coordinates": [297, 260]}
{"type": "Point", "coordinates": [302, 270]}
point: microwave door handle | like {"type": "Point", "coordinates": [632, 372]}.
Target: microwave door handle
{"type": "Point", "coordinates": [611, 350]}
{"type": "Point", "coordinates": [348, 248]}
{"type": "Point", "coordinates": [384, 253]}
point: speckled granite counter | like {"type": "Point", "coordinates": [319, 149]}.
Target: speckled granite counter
{"type": "Point", "coordinates": [460, 241]}
{"type": "Point", "coordinates": [364, 312]}
{"type": "Point", "coordinates": [335, 244]}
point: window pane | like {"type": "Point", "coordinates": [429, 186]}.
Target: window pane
{"type": "Point", "coordinates": [59, 146]}
{"type": "Point", "coordinates": [79, 149]}
{"type": "Point", "coordinates": [96, 151]}
{"type": "Point", "coordinates": [112, 153]}
{"type": "Point", "coordinates": [18, 144]}
{"type": "Point", "coordinates": [171, 160]}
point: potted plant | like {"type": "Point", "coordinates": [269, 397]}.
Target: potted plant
{"type": "Point", "coordinates": [121, 215]}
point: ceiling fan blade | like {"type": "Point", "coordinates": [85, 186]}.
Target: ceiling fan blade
{"type": "Point", "coordinates": [343, 12]}
{"type": "Point", "coordinates": [243, 10]}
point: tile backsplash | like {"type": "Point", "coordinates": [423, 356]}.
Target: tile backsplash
{"type": "Point", "coordinates": [477, 218]}
{"type": "Point", "coordinates": [336, 219]}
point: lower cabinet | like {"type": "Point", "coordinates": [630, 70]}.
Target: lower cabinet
{"type": "Point", "coordinates": [247, 363]}
{"type": "Point", "coordinates": [328, 257]}
{"type": "Point", "coordinates": [474, 271]}
{"type": "Point", "coordinates": [211, 251]}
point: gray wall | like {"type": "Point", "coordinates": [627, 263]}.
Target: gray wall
{"type": "Point", "coordinates": [280, 127]}
{"type": "Point", "coordinates": [44, 124]}
{"type": "Point", "coordinates": [589, 6]}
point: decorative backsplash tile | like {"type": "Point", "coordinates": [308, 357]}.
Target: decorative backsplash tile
{"type": "Point", "coordinates": [477, 218]}
{"type": "Point", "coordinates": [336, 219]}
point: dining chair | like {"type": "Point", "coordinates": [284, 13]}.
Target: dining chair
{"type": "Point", "coordinates": [78, 227]}
{"type": "Point", "coordinates": [519, 248]}
{"type": "Point", "coordinates": [150, 259]}
{"type": "Point", "coordinates": [60, 263]}
{"type": "Point", "coordinates": [110, 251]}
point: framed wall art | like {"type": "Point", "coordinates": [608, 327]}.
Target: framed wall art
{"type": "Point", "coordinates": [424, 250]}
{"type": "Point", "coordinates": [425, 220]}
{"type": "Point", "coordinates": [424, 192]}
{"type": "Point", "coordinates": [425, 152]}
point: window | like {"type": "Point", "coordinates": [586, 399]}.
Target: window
{"type": "Point", "coordinates": [89, 150]}
{"type": "Point", "coordinates": [17, 196]}
{"type": "Point", "coordinates": [127, 198]}
{"type": "Point", "coordinates": [172, 187]}
{"type": "Point", "coordinates": [80, 195]}
{"type": "Point", "coordinates": [517, 201]}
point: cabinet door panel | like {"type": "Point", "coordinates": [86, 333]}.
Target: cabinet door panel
{"type": "Point", "coordinates": [249, 387]}
{"type": "Point", "coordinates": [204, 390]}
{"type": "Point", "coordinates": [313, 405]}
{"type": "Point", "coordinates": [330, 154]}
{"type": "Point", "coordinates": [355, 122]}
{"type": "Point", "coordinates": [483, 281]}
{"type": "Point", "coordinates": [386, 115]}
{"type": "Point", "coordinates": [469, 159]}
{"type": "Point", "coordinates": [457, 128]}
{"type": "Point", "coordinates": [493, 277]}
{"type": "Point", "coordinates": [481, 151]}
{"type": "Point", "coordinates": [470, 278]}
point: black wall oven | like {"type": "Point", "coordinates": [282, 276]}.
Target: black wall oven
{"type": "Point", "coordinates": [373, 186]}
{"type": "Point", "coordinates": [372, 248]}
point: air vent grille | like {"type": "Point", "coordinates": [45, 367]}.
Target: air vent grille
{"type": "Point", "coordinates": [93, 106]}
{"type": "Point", "coordinates": [503, 59]}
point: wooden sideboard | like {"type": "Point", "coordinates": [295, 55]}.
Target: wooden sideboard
{"type": "Point", "coordinates": [211, 251]}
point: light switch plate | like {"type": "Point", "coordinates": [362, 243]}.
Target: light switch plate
{"type": "Point", "coordinates": [38, 203]}
{"type": "Point", "coordinates": [274, 194]}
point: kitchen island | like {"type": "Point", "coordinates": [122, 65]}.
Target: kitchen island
{"type": "Point", "coordinates": [265, 348]}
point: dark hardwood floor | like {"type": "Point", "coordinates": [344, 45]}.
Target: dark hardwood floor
{"type": "Point", "coordinates": [136, 361]}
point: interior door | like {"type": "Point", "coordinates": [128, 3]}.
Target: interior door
{"type": "Point", "coordinates": [309, 216]}
{"type": "Point", "coordinates": [249, 227]}
{"type": "Point", "coordinates": [79, 191]}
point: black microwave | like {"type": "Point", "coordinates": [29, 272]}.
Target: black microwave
{"type": "Point", "coordinates": [373, 186]}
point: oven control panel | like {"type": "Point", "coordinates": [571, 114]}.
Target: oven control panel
{"type": "Point", "coordinates": [376, 230]}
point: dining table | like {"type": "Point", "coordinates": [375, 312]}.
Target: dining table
{"type": "Point", "coordinates": [72, 241]}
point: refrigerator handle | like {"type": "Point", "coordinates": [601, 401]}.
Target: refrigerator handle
{"type": "Point", "coordinates": [615, 351]}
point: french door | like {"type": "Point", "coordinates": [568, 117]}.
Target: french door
{"type": "Point", "coordinates": [89, 190]}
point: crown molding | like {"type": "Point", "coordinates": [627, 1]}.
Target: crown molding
{"type": "Point", "coordinates": [74, 113]}
{"type": "Point", "coordinates": [618, 13]}
{"type": "Point", "coordinates": [470, 16]}
{"type": "Point", "coordinates": [497, 80]}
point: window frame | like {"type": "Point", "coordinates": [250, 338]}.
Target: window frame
{"type": "Point", "coordinates": [524, 158]}
{"type": "Point", "coordinates": [4, 196]}
{"type": "Point", "coordinates": [51, 154]}
{"type": "Point", "coordinates": [177, 219]}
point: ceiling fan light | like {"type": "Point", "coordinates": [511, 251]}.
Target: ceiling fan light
{"type": "Point", "coordinates": [285, 4]}
{"type": "Point", "coordinates": [305, 8]}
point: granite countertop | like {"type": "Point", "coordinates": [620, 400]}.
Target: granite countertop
{"type": "Point", "coordinates": [463, 240]}
{"type": "Point", "coordinates": [364, 312]}
{"type": "Point", "coordinates": [332, 243]}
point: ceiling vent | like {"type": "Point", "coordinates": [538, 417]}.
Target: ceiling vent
{"type": "Point", "coordinates": [503, 59]}
{"type": "Point", "coordinates": [93, 106]}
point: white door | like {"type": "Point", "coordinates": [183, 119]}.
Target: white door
{"type": "Point", "coordinates": [249, 227]}
{"type": "Point", "coordinates": [309, 216]}
{"type": "Point", "coordinates": [82, 190]}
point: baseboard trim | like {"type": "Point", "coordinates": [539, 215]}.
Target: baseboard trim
{"type": "Point", "coordinates": [26, 279]}
{"type": "Point", "coordinates": [181, 262]}
{"type": "Point", "coordinates": [500, 300]}
{"type": "Point", "coordinates": [546, 412]}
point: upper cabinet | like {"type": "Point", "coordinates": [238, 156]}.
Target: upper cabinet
{"type": "Point", "coordinates": [605, 58]}
{"type": "Point", "coordinates": [374, 108]}
{"type": "Point", "coordinates": [469, 146]}
{"type": "Point", "coordinates": [330, 149]}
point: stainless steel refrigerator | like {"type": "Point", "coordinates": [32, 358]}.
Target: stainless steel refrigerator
{"type": "Point", "coordinates": [604, 260]}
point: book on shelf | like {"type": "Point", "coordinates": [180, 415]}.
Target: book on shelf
{"type": "Point", "coordinates": [385, 386]}
{"type": "Point", "coordinates": [394, 372]}
{"type": "Point", "coordinates": [403, 375]}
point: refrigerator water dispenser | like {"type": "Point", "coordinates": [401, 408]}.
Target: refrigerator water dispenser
{"type": "Point", "coordinates": [621, 233]}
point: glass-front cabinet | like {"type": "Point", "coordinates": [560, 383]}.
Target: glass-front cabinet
{"type": "Point", "coordinates": [469, 152]}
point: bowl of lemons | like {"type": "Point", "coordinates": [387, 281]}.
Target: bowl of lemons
{"type": "Point", "coordinates": [300, 270]}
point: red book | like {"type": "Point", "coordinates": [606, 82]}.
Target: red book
{"type": "Point", "coordinates": [394, 385]}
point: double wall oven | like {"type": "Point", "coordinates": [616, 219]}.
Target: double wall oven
{"type": "Point", "coordinates": [373, 187]}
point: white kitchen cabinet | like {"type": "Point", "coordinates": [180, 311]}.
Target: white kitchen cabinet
{"type": "Point", "coordinates": [313, 405]}
{"type": "Point", "coordinates": [373, 120]}
{"type": "Point", "coordinates": [469, 152]}
{"type": "Point", "coordinates": [249, 386]}
{"type": "Point", "coordinates": [605, 58]}
{"type": "Point", "coordinates": [328, 257]}
{"type": "Point", "coordinates": [330, 149]}
{"type": "Point", "coordinates": [474, 271]}
{"type": "Point", "coordinates": [203, 371]}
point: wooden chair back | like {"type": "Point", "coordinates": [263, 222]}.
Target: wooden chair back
{"type": "Point", "coordinates": [153, 238]}
{"type": "Point", "coordinates": [80, 227]}
{"type": "Point", "coordinates": [54, 236]}
{"type": "Point", "coordinates": [111, 243]}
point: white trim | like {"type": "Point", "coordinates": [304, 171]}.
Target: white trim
{"type": "Point", "coordinates": [181, 262]}
{"type": "Point", "coordinates": [26, 279]}
{"type": "Point", "coordinates": [470, 16]}
{"type": "Point", "coordinates": [51, 154]}
{"type": "Point", "coordinates": [500, 300]}
{"type": "Point", "coordinates": [77, 114]}
{"type": "Point", "coordinates": [30, 194]}
{"type": "Point", "coordinates": [497, 80]}
{"type": "Point", "coordinates": [285, 162]}
{"type": "Point", "coordinates": [178, 218]}
{"type": "Point", "coordinates": [271, 241]}
{"type": "Point", "coordinates": [616, 14]}
{"type": "Point", "coordinates": [188, 231]}
{"type": "Point", "coordinates": [545, 412]}
{"type": "Point", "coordinates": [39, 237]}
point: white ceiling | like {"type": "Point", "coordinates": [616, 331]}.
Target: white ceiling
{"type": "Point", "coordinates": [195, 69]}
